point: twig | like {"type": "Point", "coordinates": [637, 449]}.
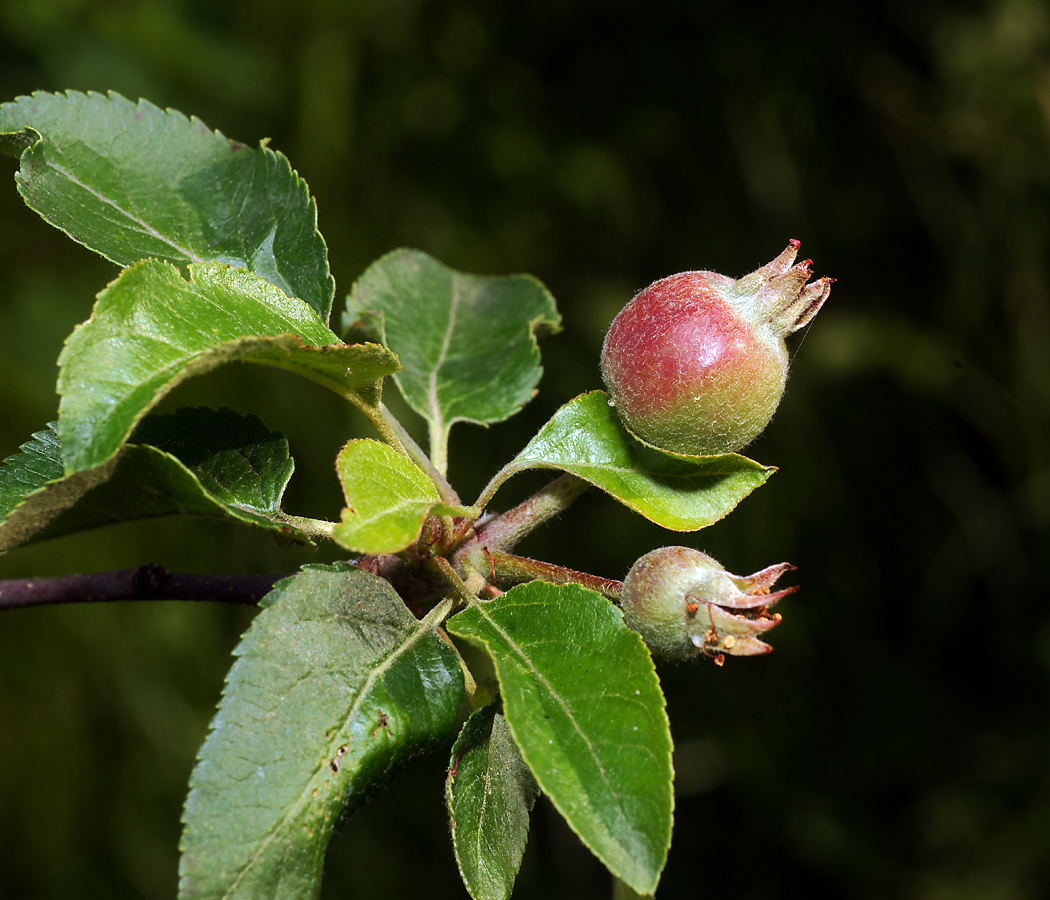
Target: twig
{"type": "Point", "coordinates": [149, 582]}
{"type": "Point", "coordinates": [502, 532]}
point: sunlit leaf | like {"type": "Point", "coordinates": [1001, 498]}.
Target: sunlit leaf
{"type": "Point", "coordinates": [152, 328]}
{"type": "Point", "coordinates": [584, 705]}
{"type": "Point", "coordinates": [388, 498]}
{"type": "Point", "coordinates": [130, 181]}
{"type": "Point", "coordinates": [336, 684]}
{"type": "Point", "coordinates": [467, 342]}
{"type": "Point", "coordinates": [682, 493]}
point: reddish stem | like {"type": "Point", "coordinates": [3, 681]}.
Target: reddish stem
{"type": "Point", "coordinates": [502, 532]}
{"type": "Point", "coordinates": [515, 569]}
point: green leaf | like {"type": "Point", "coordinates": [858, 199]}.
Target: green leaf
{"type": "Point", "coordinates": [151, 329]}
{"type": "Point", "coordinates": [388, 498]}
{"type": "Point", "coordinates": [623, 891]}
{"type": "Point", "coordinates": [236, 458]}
{"type": "Point", "coordinates": [468, 343]}
{"type": "Point", "coordinates": [130, 181]}
{"type": "Point", "coordinates": [335, 685]}
{"type": "Point", "coordinates": [200, 462]}
{"type": "Point", "coordinates": [489, 791]}
{"type": "Point", "coordinates": [38, 461]}
{"type": "Point", "coordinates": [679, 492]}
{"type": "Point", "coordinates": [13, 143]}
{"type": "Point", "coordinates": [584, 705]}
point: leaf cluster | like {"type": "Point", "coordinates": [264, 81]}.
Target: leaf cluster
{"type": "Point", "coordinates": [350, 669]}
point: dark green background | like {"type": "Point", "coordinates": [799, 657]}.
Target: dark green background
{"type": "Point", "coordinates": [895, 744]}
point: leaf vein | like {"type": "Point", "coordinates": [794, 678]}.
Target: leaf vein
{"type": "Point", "coordinates": [143, 225]}
{"type": "Point", "coordinates": [374, 674]}
{"type": "Point", "coordinates": [446, 343]}
{"type": "Point", "coordinates": [566, 709]}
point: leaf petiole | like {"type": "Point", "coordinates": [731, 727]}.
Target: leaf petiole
{"type": "Point", "coordinates": [461, 588]}
{"type": "Point", "coordinates": [317, 528]}
{"type": "Point", "coordinates": [400, 439]}
{"type": "Point", "coordinates": [623, 891]}
{"type": "Point", "coordinates": [505, 530]}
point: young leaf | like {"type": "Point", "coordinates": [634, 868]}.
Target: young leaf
{"type": "Point", "coordinates": [200, 462]}
{"type": "Point", "coordinates": [151, 329]}
{"type": "Point", "coordinates": [489, 791]}
{"type": "Point", "coordinates": [388, 497]}
{"type": "Point", "coordinates": [468, 343]}
{"type": "Point", "coordinates": [682, 493]}
{"type": "Point", "coordinates": [130, 181]}
{"type": "Point", "coordinates": [335, 685]}
{"type": "Point", "coordinates": [584, 705]}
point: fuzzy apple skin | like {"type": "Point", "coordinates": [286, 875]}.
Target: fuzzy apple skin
{"type": "Point", "coordinates": [696, 363]}
{"type": "Point", "coordinates": [654, 599]}
{"type": "Point", "coordinates": [686, 373]}
{"type": "Point", "coordinates": [684, 604]}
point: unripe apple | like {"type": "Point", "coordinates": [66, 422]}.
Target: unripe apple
{"type": "Point", "coordinates": [684, 603]}
{"type": "Point", "coordinates": [696, 363]}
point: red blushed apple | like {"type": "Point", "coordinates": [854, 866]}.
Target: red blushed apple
{"type": "Point", "coordinates": [696, 363]}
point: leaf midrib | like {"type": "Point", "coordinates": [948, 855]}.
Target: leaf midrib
{"type": "Point", "coordinates": [146, 227]}
{"type": "Point", "coordinates": [374, 674]}
{"type": "Point", "coordinates": [516, 648]}
{"type": "Point", "coordinates": [580, 468]}
{"type": "Point", "coordinates": [438, 418]}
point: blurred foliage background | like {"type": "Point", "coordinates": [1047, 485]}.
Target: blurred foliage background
{"type": "Point", "coordinates": [895, 744]}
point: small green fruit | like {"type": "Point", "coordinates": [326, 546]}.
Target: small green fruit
{"type": "Point", "coordinates": [696, 363]}
{"type": "Point", "coordinates": [684, 603]}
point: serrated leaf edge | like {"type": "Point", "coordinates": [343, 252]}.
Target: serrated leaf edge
{"type": "Point", "coordinates": [480, 608]}
{"type": "Point", "coordinates": [194, 123]}
{"type": "Point", "coordinates": [426, 626]}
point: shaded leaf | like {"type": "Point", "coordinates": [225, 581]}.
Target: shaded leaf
{"type": "Point", "coordinates": [37, 462]}
{"type": "Point", "coordinates": [130, 181]}
{"type": "Point", "coordinates": [13, 143]}
{"type": "Point", "coordinates": [388, 498]}
{"type": "Point", "coordinates": [584, 705]}
{"type": "Point", "coordinates": [151, 329]}
{"type": "Point", "coordinates": [201, 462]}
{"type": "Point", "coordinates": [489, 791]}
{"type": "Point", "coordinates": [237, 459]}
{"type": "Point", "coordinates": [467, 342]}
{"type": "Point", "coordinates": [335, 685]}
{"type": "Point", "coordinates": [682, 493]}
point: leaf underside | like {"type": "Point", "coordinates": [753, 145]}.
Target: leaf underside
{"type": "Point", "coordinates": [681, 493]}
{"type": "Point", "coordinates": [335, 685]}
{"type": "Point", "coordinates": [200, 462]}
{"type": "Point", "coordinates": [131, 181]}
{"type": "Point", "coordinates": [582, 700]}
{"type": "Point", "coordinates": [152, 328]}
